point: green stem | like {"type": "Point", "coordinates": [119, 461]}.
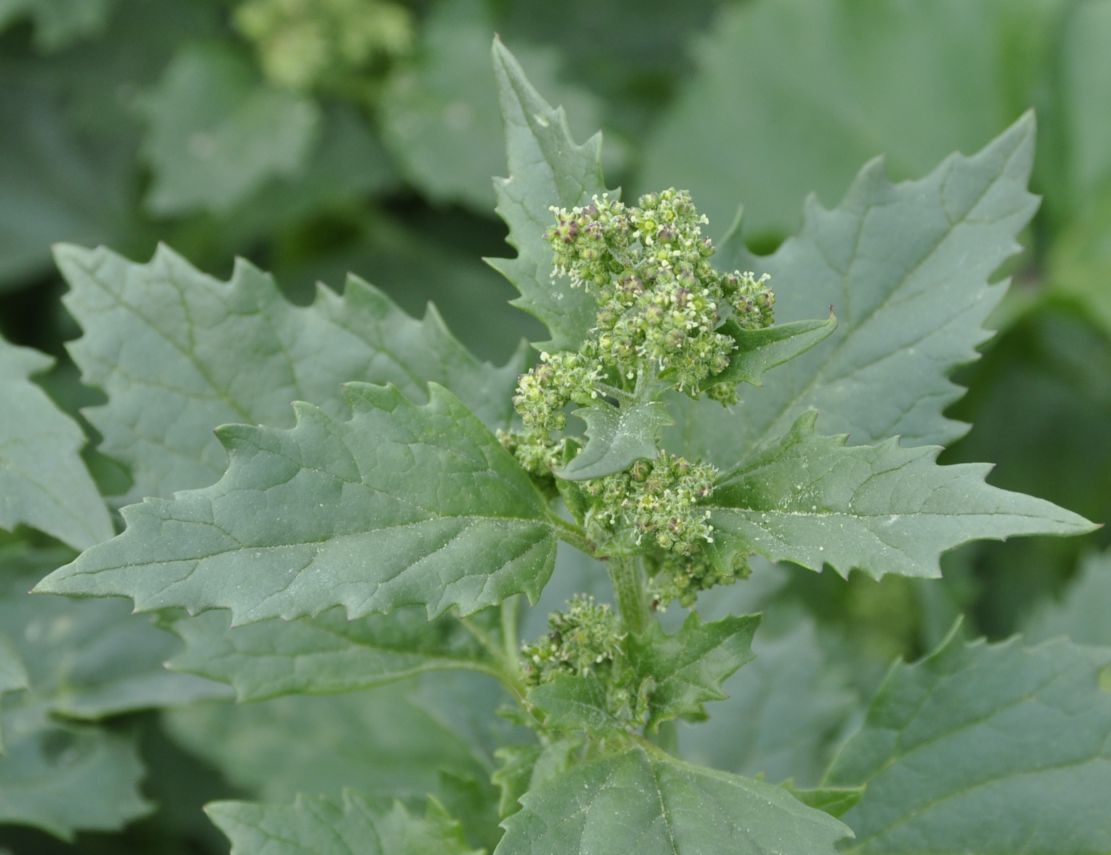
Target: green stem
{"type": "Point", "coordinates": [571, 533]}
{"type": "Point", "coordinates": [628, 584]}
{"type": "Point", "coordinates": [509, 611]}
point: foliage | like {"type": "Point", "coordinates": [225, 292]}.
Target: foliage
{"type": "Point", "coordinates": [714, 565]}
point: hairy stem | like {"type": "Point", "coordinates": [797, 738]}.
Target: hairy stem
{"type": "Point", "coordinates": [628, 584]}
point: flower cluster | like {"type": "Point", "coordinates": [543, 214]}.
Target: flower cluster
{"type": "Point", "coordinates": [580, 640]}
{"type": "Point", "coordinates": [660, 301]}
{"type": "Point", "coordinates": [666, 319]}
{"type": "Point", "coordinates": [324, 43]}
{"type": "Point", "coordinates": [654, 501]}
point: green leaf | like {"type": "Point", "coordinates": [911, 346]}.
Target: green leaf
{"type": "Point", "coordinates": [523, 767]}
{"type": "Point", "coordinates": [315, 825]}
{"type": "Point", "coordinates": [440, 114]}
{"type": "Point", "coordinates": [578, 703]}
{"type": "Point", "coordinates": [86, 660]}
{"type": "Point", "coordinates": [688, 668]}
{"type": "Point", "coordinates": [749, 127]}
{"type": "Point", "coordinates": [674, 675]}
{"type": "Point", "coordinates": [642, 800]}
{"type": "Point", "coordinates": [401, 504]}
{"type": "Point", "coordinates": [43, 481]}
{"type": "Point", "coordinates": [835, 801]}
{"type": "Point", "coordinates": [1081, 614]}
{"type": "Point", "coordinates": [546, 168]}
{"type": "Point", "coordinates": [616, 438]}
{"type": "Point", "coordinates": [216, 133]}
{"type": "Point", "coordinates": [388, 743]}
{"type": "Point", "coordinates": [782, 714]}
{"type": "Point", "coordinates": [1083, 80]}
{"type": "Point", "coordinates": [326, 653]}
{"type": "Point", "coordinates": [881, 509]}
{"type": "Point", "coordinates": [762, 349]}
{"type": "Point", "coordinates": [985, 748]}
{"type": "Point", "coordinates": [58, 23]}
{"type": "Point", "coordinates": [66, 778]}
{"type": "Point", "coordinates": [13, 676]}
{"type": "Point", "coordinates": [906, 268]}
{"type": "Point", "coordinates": [179, 353]}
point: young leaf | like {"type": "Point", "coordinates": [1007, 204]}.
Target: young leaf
{"type": "Point", "coordinates": [67, 778]}
{"type": "Point", "coordinates": [216, 133]}
{"type": "Point", "coordinates": [688, 668]}
{"type": "Point", "coordinates": [672, 675]}
{"type": "Point", "coordinates": [326, 653]}
{"type": "Point", "coordinates": [782, 713]}
{"type": "Point", "coordinates": [400, 504]}
{"type": "Point", "coordinates": [43, 481]}
{"type": "Point", "coordinates": [616, 437]}
{"type": "Point", "coordinates": [813, 500]}
{"type": "Point", "coordinates": [906, 270]}
{"type": "Point", "coordinates": [350, 825]}
{"type": "Point", "coordinates": [641, 800]}
{"type": "Point", "coordinates": [985, 748]}
{"type": "Point", "coordinates": [546, 168]}
{"type": "Point", "coordinates": [179, 353]}
{"type": "Point", "coordinates": [760, 350]}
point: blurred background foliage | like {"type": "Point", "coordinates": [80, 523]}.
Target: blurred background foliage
{"type": "Point", "coordinates": [317, 137]}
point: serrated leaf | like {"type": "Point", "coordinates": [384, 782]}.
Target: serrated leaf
{"type": "Point", "coordinates": [326, 653]}
{"type": "Point", "coordinates": [67, 778]}
{"type": "Point", "coordinates": [440, 114]}
{"type": "Point", "coordinates": [644, 801]}
{"type": "Point", "coordinates": [1081, 614]}
{"type": "Point", "coordinates": [523, 767]}
{"type": "Point", "coordinates": [688, 668]}
{"type": "Point", "coordinates": [616, 438]}
{"type": "Point", "coordinates": [349, 825]}
{"type": "Point", "coordinates": [985, 748]}
{"type": "Point", "coordinates": [906, 269]}
{"type": "Point", "coordinates": [676, 675]}
{"type": "Point", "coordinates": [762, 349]}
{"type": "Point", "coordinates": [546, 168]}
{"type": "Point", "coordinates": [43, 481]}
{"type": "Point", "coordinates": [179, 353]}
{"type": "Point", "coordinates": [399, 505]}
{"type": "Point", "coordinates": [577, 703]}
{"type": "Point", "coordinates": [814, 500]}
{"type": "Point", "coordinates": [782, 714]}
{"type": "Point", "coordinates": [216, 132]}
